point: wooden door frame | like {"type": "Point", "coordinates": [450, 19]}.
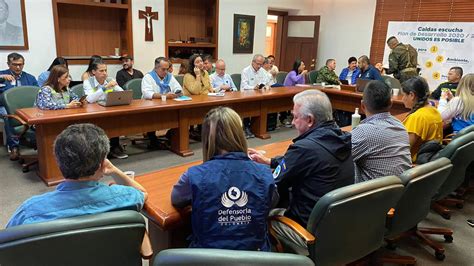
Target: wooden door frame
{"type": "Point", "coordinates": [279, 31]}
{"type": "Point", "coordinates": [284, 37]}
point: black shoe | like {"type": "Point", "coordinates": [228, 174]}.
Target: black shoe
{"type": "Point", "coordinates": [118, 152]}
{"type": "Point", "coordinates": [470, 222]}
{"type": "Point", "coordinates": [195, 135]}
{"type": "Point", "coordinates": [15, 154]}
{"type": "Point", "coordinates": [248, 133]}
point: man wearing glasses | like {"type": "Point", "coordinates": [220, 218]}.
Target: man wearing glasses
{"type": "Point", "coordinates": [220, 81]}
{"type": "Point", "coordinates": [12, 77]}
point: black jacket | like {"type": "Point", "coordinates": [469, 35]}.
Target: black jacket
{"type": "Point", "coordinates": [317, 162]}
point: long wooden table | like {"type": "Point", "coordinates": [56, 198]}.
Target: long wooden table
{"type": "Point", "coordinates": [150, 115]}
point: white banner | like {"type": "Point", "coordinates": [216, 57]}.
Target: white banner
{"type": "Point", "coordinates": [440, 46]}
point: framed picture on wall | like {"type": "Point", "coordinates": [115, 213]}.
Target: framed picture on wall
{"type": "Point", "coordinates": [244, 27]}
{"type": "Point", "coordinates": [13, 33]}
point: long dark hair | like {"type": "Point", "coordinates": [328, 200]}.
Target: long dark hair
{"type": "Point", "coordinates": [420, 88]}
{"type": "Point", "coordinates": [58, 61]}
{"type": "Point", "coordinates": [296, 65]}
{"type": "Point", "coordinates": [191, 64]}
{"type": "Point", "coordinates": [55, 73]}
{"type": "Point", "coordinates": [94, 59]}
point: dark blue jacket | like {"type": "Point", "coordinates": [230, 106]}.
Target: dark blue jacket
{"type": "Point", "coordinates": [231, 198]}
{"type": "Point", "coordinates": [317, 162]}
{"type": "Point", "coordinates": [25, 80]}
{"type": "Point", "coordinates": [371, 73]}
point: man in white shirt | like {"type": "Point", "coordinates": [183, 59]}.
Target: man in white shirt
{"type": "Point", "coordinates": [96, 88]}
{"type": "Point", "coordinates": [273, 69]}
{"type": "Point", "coordinates": [268, 67]}
{"type": "Point", "coordinates": [220, 81]}
{"type": "Point", "coordinates": [156, 83]}
{"type": "Point", "coordinates": [160, 82]}
{"type": "Point", "coordinates": [254, 75]}
{"type": "Point", "coordinates": [251, 78]}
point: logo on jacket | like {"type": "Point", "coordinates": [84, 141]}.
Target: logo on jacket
{"type": "Point", "coordinates": [234, 196]}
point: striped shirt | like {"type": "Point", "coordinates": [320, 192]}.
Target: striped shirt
{"type": "Point", "coordinates": [380, 147]}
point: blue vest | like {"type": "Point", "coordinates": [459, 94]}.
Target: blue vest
{"type": "Point", "coordinates": [231, 200]}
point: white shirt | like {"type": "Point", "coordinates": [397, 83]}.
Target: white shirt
{"type": "Point", "coordinates": [217, 81]}
{"type": "Point", "coordinates": [251, 78]}
{"type": "Point", "coordinates": [149, 86]}
{"type": "Point", "coordinates": [94, 90]}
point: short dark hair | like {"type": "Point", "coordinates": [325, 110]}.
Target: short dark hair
{"type": "Point", "coordinates": [158, 60]}
{"type": "Point", "coordinates": [365, 58]}
{"type": "Point", "coordinates": [206, 57]}
{"type": "Point", "coordinates": [271, 56]}
{"type": "Point", "coordinates": [58, 61]}
{"type": "Point", "coordinates": [80, 150]}
{"type": "Point", "coordinates": [351, 59]}
{"type": "Point", "coordinates": [330, 60]}
{"type": "Point", "coordinates": [458, 70]}
{"type": "Point", "coordinates": [391, 38]}
{"type": "Point", "coordinates": [126, 57]}
{"type": "Point", "coordinates": [377, 97]}
{"type": "Point", "coordinates": [14, 56]}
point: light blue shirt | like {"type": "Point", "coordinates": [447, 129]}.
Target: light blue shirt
{"type": "Point", "coordinates": [217, 81]}
{"type": "Point", "coordinates": [42, 78]}
{"type": "Point", "coordinates": [75, 198]}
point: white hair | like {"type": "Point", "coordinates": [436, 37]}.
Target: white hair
{"type": "Point", "coordinates": [314, 103]}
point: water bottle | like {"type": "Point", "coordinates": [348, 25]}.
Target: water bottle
{"type": "Point", "coordinates": [355, 118]}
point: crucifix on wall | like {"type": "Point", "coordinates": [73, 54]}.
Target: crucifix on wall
{"type": "Point", "coordinates": [149, 16]}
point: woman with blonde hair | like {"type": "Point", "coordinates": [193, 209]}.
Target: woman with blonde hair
{"type": "Point", "coordinates": [459, 111]}
{"type": "Point", "coordinates": [230, 194]}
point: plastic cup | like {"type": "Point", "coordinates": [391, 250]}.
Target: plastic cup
{"type": "Point", "coordinates": [395, 91]}
{"type": "Point", "coordinates": [163, 98]}
{"type": "Point", "coordinates": [130, 174]}
{"type": "Point", "coordinates": [323, 84]}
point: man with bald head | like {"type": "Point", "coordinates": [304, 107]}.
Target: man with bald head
{"type": "Point", "coordinates": [220, 81]}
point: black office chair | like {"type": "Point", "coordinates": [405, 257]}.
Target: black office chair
{"type": "Point", "coordinates": [112, 238]}
{"type": "Point", "coordinates": [421, 184]}
{"type": "Point", "coordinates": [340, 221]}
{"type": "Point", "coordinates": [218, 257]}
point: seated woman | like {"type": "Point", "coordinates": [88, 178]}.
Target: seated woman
{"type": "Point", "coordinates": [88, 73]}
{"type": "Point", "coordinates": [44, 76]}
{"type": "Point", "coordinates": [55, 94]}
{"type": "Point", "coordinates": [459, 111]}
{"type": "Point", "coordinates": [196, 81]}
{"type": "Point", "coordinates": [296, 75]}
{"type": "Point", "coordinates": [423, 122]}
{"type": "Point", "coordinates": [230, 194]}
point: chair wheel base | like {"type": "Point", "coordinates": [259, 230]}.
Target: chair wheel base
{"type": "Point", "coordinates": [440, 256]}
{"type": "Point", "coordinates": [448, 239]}
{"type": "Point", "coordinates": [25, 169]}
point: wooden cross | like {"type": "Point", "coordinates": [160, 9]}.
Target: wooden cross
{"type": "Point", "coordinates": [149, 16]}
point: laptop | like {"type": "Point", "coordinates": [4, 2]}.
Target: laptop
{"type": "Point", "coordinates": [344, 81]}
{"type": "Point", "coordinates": [361, 83]}
{"type": "Point", "coordinates": [115, 98]}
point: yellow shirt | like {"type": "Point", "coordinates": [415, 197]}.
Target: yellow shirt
{"type": "Point", "coordinates": [193, 87]}
{"type": "Point", "coordinates": [427, 124]}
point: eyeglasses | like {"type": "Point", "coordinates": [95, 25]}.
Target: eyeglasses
{"type": "Point", "coordinates": [17, 65]}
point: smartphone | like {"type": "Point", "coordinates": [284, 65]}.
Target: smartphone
{"type": "Point", "coordinates": [83, 99]}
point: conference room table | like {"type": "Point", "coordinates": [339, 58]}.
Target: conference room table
{"type": "Point", "coordinates": [151, 115]}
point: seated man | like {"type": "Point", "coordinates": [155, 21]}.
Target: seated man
{"type": "Point", "coordinates": [156, 83]}
{"type": "Point", "coordinates": [273, 68]}
{"type": "Point", "coordinates": [268, 67]}
{"type": "Point", "coordinates": [327, 74]}
{"type": "Point", "coordinates": [351, 72]}
{"type": "Point", "coordinates": [318, 161]}
{"type": "Point", "coordinates": [127, 72]}
{"type": "Point", "coordinates": [367, 71]}
{"type": "Point", "coordinates": [251, 78]}
{"type": "Point", "coordinates": [220, 81]}
{"type": "Point", "coordinates": [12, 77]}
{"type": "Point", "coordinates": [96, 88]}
{"type": "Point", "coordinates": [208, 65]}
{"type": "Point", "coordinates": [380, 144]}
{"type": "Point", "coordinates": [81, 151]}
{"type": "Point", "coordinates": [454, 76]}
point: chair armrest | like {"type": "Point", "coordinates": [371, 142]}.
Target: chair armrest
{"type": "Point", "coordinates": [145, 250]}
{"type": "Point", "coordinates": [21, 121]}
{"type": "Point", "coordinates": [303, 233]}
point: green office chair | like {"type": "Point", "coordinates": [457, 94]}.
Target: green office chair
{"type": "Point", "coordinates": [392, 82]}
{"type": "Point", "coordinates": [14, 99]}
{"type": "Point", "coordinates": [460, 151]}
{"type": "Point", "coordinates": [179, 78]}
{"type": "Point", "coordinates": [77, 90]}
{"type": "Point", "coordinates": [421, 184]}
{"type": "Point", "coordinates": [313, 75]}
{"type": "Point", "coordinates": [280, 77]}
{"type": "Point", "coordinates": [217, 257]}
{"type": "Point", "coordinates": [236, 78]}
{"type": "Point", "coordinates": [134, 85]}
{"type": "Point", "coordinates": [112, 238]}
{"type": "Point", "coordinates": [341, 219]}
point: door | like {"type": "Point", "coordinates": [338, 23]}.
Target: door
{"type": "Point", "coordinates": [299, 40]}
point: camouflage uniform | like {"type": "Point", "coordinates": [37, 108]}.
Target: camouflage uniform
{"type": "Point", "coordinates": [402, 62]}
{"type": "Point", "coordinates": [328, 76]}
